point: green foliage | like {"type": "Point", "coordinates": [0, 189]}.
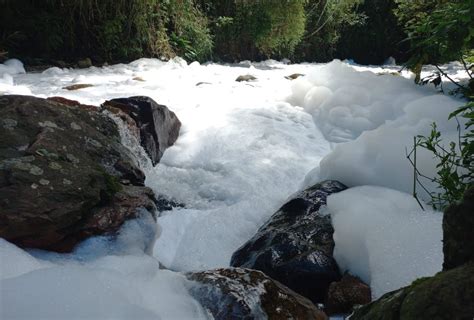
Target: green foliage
{"type": "Point", "coordinates": [108, 30]}
{"type": "Point", "coordinates": [190, 35]}
{"type": "Point", "coordinates": [438, 31]}
{"type": "Point", "coordinates": [377, 38]}
{"type": "Point", "coordinates": [253, 30]}
{"type": "Point", "coordinates": [455, 168]}
{"type": "Point", "coordinates": [325, 21]}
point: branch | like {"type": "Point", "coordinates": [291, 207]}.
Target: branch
{"type": "Point", "coordinates": [466, 67]}
{"type": "Point", "coordinates": [447, 76]}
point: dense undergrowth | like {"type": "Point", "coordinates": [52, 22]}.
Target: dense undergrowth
{"type": "Point", "coordinates": [220, 30]}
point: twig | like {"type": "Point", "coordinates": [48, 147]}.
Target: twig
{"type": "Point", "coordinates": [465, 67]}
{"type": "Point", "coordinates": [447, 76]}
{"type": "Point", "coordinates": [415, 178]}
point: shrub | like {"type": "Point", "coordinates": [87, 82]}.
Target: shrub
{"type": "Point", "coordinates": [455, 168]}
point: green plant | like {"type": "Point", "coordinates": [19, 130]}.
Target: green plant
{"type": "Point", "coordinates": [438, 32]}
{"type": "Point", "coordinates": [188, 30]}
{"type": "Point", "coordinates": [455, 167]}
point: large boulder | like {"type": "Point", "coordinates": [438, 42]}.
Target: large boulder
{"type": "Point", "coordinates": [458, 232]}
{"type": "Point", "coordinates": [236, 293]}
{"type": "Point", "coordinates": [158, 126]}
{"type": "Point", "coordinates": [295, 246]}
{"type": "Point", "coordinates": [64, 175]}
{"type": "Point", "coordinates": [448, 295]}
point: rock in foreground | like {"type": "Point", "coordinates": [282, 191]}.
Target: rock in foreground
{"type": "Point", "coordinates": [237, 293]}
{"type": "Point", "coordinates": [448, 295]}
{"type": "Point", "coordinates": [458, 232]}
{"type": "Point", "coordinates": [64, 175]}
{"type": "Point", "coordinates": [158, 126]}
{"type": "Point", "coordinates": [295, 246]}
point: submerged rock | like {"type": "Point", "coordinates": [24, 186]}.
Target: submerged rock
{"type": "Point", "coordinates": [246, 77]}
{"type": "Point", "coordinates": [448, 295]}
{"type": "Point", "coordinates": [458, 232]}
{"type": "Point", "coordinates": [295, 246]}
{"type": "Point", "coordinates": [158, 126]}
{"type": "Point", "coordinates": [64, 175]}
{"type": "Point", "coordinates": [78, 86]}
{"type": "Point", "coordinates": [236, 293]}
{"type": "Point", "coordinates": [345, 294]}
{"type": "Point", "coordinates": [294, 76]}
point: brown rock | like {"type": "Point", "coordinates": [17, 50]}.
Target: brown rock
{"type": "Point", "coordinates": [345, 294]}
{"type": "Point", "coordinates": [294, 76]}
{"type": "Point", "coordinates": [64, 175]}
{"type": "Point", "coordinates": [78, 86]}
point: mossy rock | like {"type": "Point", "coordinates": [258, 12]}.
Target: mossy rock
{"type": "Point", "coordinates": [448, 295]}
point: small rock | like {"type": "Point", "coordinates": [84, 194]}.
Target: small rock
{"type": "Point", "coordinates": [44, 182]}
{"type": "Point", "coordinates": [294, 76]}
{"type": "Point", "coordinates": [345, 294]}
{"type": "Point", "coordinates": [78, 86]}
{"type": "Point", "coordinates": [246, 77]}
{"type": "Point", "coordinates": [67, 182]}
{"type": "Point", "coordinates": [201, 83]}
{"type": "Point", "coordinates": [138, 79]}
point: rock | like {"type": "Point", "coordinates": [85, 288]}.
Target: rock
{"type": "Point", "coordinates": [85, 63]}
{"type": "Point", "coordinates": [77, 86]}
{"type": "Point", "coordinates": [448, 295]}
{"type": "Point", "coordinates": [158, 126]}
{"type": "Point", "coordinates": [236, 293]}
{"type": "Point", "coordinates": [61, 173]}
{"type": "Point", "coordinates": [246, 77]}
{"type": "Point", "coordinates": [458, 226]}
{"type": "Point", "coordinates": [345, 294]}
{"type": "Point", "coordinates": [138, 79]}
{"type": "Point", "coordinates": [295, 246]}
{"type": "Point", "coordinates": [294, 76]}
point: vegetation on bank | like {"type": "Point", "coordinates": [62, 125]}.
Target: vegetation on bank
{"type": "Point", "coordinates": [220, 30]}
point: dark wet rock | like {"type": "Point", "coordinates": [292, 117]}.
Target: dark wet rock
{"type": "Point", "coordinates": [448, 295]}
{"type": "Point", "coordinates": [246, 77]}
{"type": "Point", "coordinates": [295, 246]}
{"type": "Point", "coordinates": [164, 204]}
{"type": "Point", "coordinates": [158, 126]}
{"type": "Point", "coordinates": [236, 293]}
{"type": "Point", "coordinates": [345, 294]}
{"type": "Point", "coordinates": [458, 232]}
{"type": "Point", "coordinates": [294, 76]}
{"type": "Point", "coordinates": [64, 175]}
